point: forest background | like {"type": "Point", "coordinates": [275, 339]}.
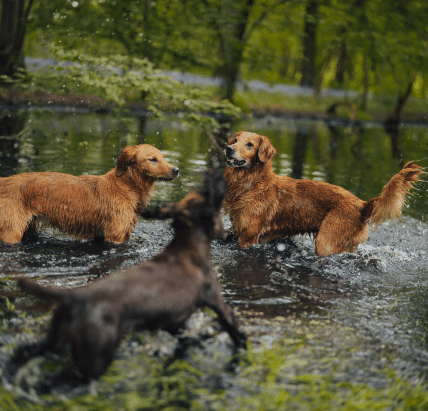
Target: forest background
{"type": "Point", "coordinates": [377, 50]}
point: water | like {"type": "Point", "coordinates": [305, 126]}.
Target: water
{"type": "Point", "coordinates": [377, 292]}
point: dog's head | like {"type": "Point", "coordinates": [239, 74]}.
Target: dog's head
{"type": "Point", "coordinates": [147, 160]}
{"type": "Point", "coordinates": [246, 149]}
{"type": "Point", "coordinates": [200, 209]}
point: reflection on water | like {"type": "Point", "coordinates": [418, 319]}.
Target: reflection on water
{"type": "Point", "coordinates": [269, 281]}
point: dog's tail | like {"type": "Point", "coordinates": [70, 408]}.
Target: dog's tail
{"type": "Point", "coordinates": [49, 293]}
{"type": "Point", "coordinates": [393, 197]}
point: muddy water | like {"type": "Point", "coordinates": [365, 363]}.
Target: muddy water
{"type": "Point", "coordinates": [366, 312]}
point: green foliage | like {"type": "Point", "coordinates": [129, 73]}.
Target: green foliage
{"type": "Point", "coordinates": [195, 35]}
{"type": "Point", "coordinates": [122, 79]}
{"type": "Point", "coordinates": [360, 43]}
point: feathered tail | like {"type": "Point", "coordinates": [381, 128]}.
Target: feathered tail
{"type": "Point", "coordinates": [393, 197]}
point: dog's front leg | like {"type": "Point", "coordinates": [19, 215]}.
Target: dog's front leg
{"type": "Point", "coordinates": [228, 323]}
{"type": "Point", "coordinates": [248, 236]}
{"type": "Point", "coordinates": [248, 228]}
{"type": "Point", "coordinates": [213, 299]}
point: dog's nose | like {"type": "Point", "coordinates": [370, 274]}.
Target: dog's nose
{"type": "Point", "coordinates": [230, 151]}
{"type": "Point", "coordinates": [175, 171]}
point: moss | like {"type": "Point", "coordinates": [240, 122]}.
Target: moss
{"type": "Point", "coordinates": [314, 365]}
{"type": "Point", "coordinates": [261, 382]}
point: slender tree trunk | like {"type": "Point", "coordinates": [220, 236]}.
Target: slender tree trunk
{"type": "Point", "coordinates": [366, 84]}
{"type": "Point", "coordinates": [232, 48]}
{"type": "Point", "coordinates": [395, 116]}
{"type": "Point", "coordinates": [12, 33]}
{"type": "Point", "coordinates": [147, 49]}
{"type": "Point", "coordinates": [309, 43]}
{"type": "Point", "coordinates": [342, 64]}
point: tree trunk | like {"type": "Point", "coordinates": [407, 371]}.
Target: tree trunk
{"type": "Point", "coordinates": [12, 33]}
{"type": "Point", "coordinates": [366, 84]}
{"type": "Point", "coordinates": [342, 64]}
{"type": "Point", "coordinates": [309, 44]}
{"type": "Point", "coordinates": [232, 49]}
{"type": "Point", "coordinates": [395, 116]}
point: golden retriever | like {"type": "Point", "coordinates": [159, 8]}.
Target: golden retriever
{"type": "Point", "coordinates": [104, 207]}
{"type": "Point", "coordinates": [263, 205]}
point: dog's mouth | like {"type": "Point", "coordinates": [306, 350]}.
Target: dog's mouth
{"type": "Point", "coordinates": [166, 178]}
{"type": "Point", "coordinates": [233, 162]}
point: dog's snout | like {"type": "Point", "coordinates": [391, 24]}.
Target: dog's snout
{"type": "Point", "coordinates": [175, 171]}
{"type": "Point", "coordinates": [230, 151]}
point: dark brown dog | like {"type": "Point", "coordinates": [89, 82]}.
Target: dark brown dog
{"type": "Point", "coordinates": [160, 293]}
{"type": "Point", "coordinates": [263, 206]}
{"type": "Point", "coordinates": [102, 207]}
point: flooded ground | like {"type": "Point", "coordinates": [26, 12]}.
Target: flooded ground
{"type": "Point", "coordinates": [347, 331]}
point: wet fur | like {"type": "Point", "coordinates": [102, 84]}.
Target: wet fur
{"type": "Point", "coordinates": [160, 293]}
{"type": "Point", "coordinates": [263, 205]}
{"type": "Point", "coordinates": [103, 207]}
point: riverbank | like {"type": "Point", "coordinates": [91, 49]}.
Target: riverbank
{"type": "Point", "coordinates": [252, 103]}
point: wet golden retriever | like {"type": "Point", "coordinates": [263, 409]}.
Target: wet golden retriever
{"type": "Point", "coordinates": [104, 207]}
{"type": "Point", "coordinates": [263, 205]}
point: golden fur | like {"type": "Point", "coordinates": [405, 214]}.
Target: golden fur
{"type": "Point", "coordinates": [103, 207]}
{"type": "Point", "coordinates": [263, 205]}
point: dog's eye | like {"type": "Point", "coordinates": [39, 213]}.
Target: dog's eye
{"type": "Point", "coordinates": [153, 160]}
{"type": "Point", "coordinates": [249, 145]}
{"type": "Point", "coordinates": [236, 140]}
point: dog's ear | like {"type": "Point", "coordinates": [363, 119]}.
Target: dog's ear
{"type": "Point", "coordinates": [127, 158]}
{"type": "Point", "coordinates": [266, 150]}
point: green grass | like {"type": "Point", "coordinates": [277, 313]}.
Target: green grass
{"type": "Point", "coordinates": [261, 383]}
{"type": "Point", "coordinates": [312, 367]}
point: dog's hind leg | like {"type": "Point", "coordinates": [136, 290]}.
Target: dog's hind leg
{"type": "Point", "coordinates": [340, 232]}
{"type": "Point", "coordinates": [13, 223]}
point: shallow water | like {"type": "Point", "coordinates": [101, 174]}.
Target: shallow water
{"type": "Point", "coordinates": [279, 290]}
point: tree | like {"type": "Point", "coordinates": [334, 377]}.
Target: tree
{"type": "Point", "coordinates": [232, 39]}
{"type": "Point", "coordinates": [14, 14]}
{"type": "Point", "coordinates": [233, 24]}
{"type": "Point", "coordinates": [309, 43]}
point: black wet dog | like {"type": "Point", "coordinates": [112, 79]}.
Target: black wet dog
{"type": "Point", "coordinates": [160, 293]}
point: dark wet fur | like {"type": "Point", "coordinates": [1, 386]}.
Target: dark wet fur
{"type": "Point", "coordinates": [160, 293]}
